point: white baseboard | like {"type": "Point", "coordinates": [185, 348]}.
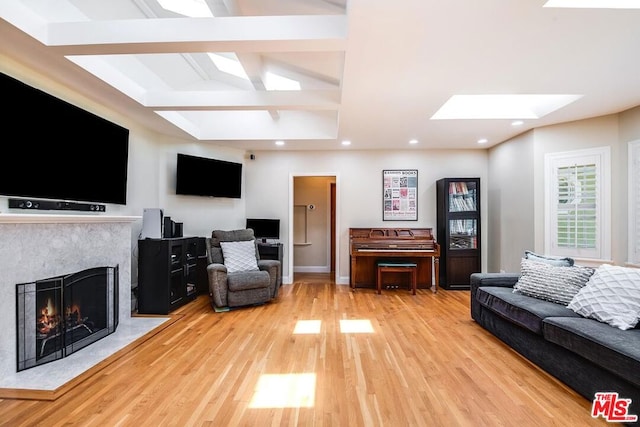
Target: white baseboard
{"type": "Point", "coordinates": [343, 280]}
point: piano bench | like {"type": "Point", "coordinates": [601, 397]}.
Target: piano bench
{"type": "Point", "coordinates": [398, 267]}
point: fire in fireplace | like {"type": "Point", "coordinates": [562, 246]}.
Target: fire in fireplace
{"type": "Point", "coordinates": [61, 315]}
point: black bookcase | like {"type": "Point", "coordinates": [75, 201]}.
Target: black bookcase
{"type": "Point", "coordinates": [458, 230]}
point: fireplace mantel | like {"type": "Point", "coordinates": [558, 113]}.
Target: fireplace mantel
{"type": "Point", "coordinates": [63, 219]}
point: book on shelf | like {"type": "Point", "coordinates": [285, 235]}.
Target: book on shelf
{"type": "Point", "coordinates": [459, 187]}
{"type": "Point", "coordinates": [463, 227]}
{"type": "Point", "coordinates": [462, 202]}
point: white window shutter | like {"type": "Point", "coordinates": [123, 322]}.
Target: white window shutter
{"type": "Point", "coordinates": [577, 210]}
{"type": "Point", "coordinates": [577, 204]}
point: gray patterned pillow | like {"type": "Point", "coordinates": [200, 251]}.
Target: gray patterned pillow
{"type": "Point", "coordinates": [557, 261]}
{"type": "Point", "coordinates": [239, 256]}
{"type": "Point", "coordinates": [551, 283]}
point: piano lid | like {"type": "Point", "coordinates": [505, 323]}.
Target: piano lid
{"type": "Point", "coordinates": [386, 234]}
{"type": "Point", "coordinates": [392, 240]}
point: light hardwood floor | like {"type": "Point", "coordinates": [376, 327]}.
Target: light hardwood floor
{"type": "Point", "coordinates": [423, 363]}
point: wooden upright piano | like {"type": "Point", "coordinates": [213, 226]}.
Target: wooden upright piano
{"type": "Point", "coordinates": [368, 246]}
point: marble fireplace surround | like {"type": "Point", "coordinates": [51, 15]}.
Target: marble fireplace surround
{"type": "Point", "coordinates": [37, 246]}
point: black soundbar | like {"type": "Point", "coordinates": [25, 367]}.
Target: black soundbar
{"type": "Point", "coordinates": [55, 206]}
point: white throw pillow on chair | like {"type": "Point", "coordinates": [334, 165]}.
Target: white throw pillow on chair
{"type": "Point", "coordinates": [239, 256]}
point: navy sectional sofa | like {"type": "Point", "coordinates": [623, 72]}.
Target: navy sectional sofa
{"type": "Point", "coordinates": [587, 355]}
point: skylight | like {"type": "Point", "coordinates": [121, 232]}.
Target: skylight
{"type": "Point", "coordinates": [594, 4]}
{"type": "Point", "coordinates": [276, 82]}
{"type": "Point", "coordinates": [502, 106]}
{"type": "Point", "coordinates": [228, 65]}
{"type": "Point", "coordinates": [191, 8]}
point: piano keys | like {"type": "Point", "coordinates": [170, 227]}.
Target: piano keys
{"type": "Point", "coordinates": [368, 246]}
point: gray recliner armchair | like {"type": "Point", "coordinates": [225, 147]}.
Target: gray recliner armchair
{"type": "Point", "coordinates": [241, 278]}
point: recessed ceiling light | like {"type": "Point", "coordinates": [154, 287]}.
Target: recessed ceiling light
{"type": "Point", "coordinates": [517, 123]}
{"type": "Point", "coordinates": [191, 8]}
{"type": "Point", "coordinates": [279, 142]}
{"type": "Point", "coordinates": [346, 142]}
{"type": "Point", "coordinates": [483, 141]}
{"type": "Point", "coordinates": [594, 4]}
{"type": "Point", "coordinates": [413, 141]}
{"type": "Point", "coordinates": [501, 106]}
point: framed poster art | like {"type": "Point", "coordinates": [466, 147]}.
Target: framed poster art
{"type": "Point", "coordinates": [400, 195]}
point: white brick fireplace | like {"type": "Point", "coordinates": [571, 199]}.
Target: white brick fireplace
{"type": "Point", "coordinates": [40, 246]}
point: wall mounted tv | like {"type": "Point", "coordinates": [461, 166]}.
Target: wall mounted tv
{"type": "Point", "coordinates": [264, 228]}
{"type": "Point", "coordinates": [201, 176]}
{"type": "Point", "coordinates": [59, 151]}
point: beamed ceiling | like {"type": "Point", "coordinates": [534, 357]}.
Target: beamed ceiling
{"type": "Point", "coordinates": [372, 72]}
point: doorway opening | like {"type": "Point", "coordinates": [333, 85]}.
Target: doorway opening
{"type": "Point", "coordinates": [313, 228]}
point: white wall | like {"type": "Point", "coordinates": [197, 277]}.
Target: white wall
{"type": "Point", "coordinates": [359, 187]}
{"type": "Point", "coordinates": [519, 164]}
{"type": "Point", "coordinates": [151, 184]}
{"type": "Point", "coordinates": [515, 222]}
{"type": "Point", "coordinates": [199, 215]}
{"type": "Point", "coordinates": [630, 125]}
{"type": "Point", "coordinates": [591, 133]}
{"type": "Point", "coordinates": [510, 203]}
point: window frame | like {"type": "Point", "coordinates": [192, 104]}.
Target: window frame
{"type": "Point", "coordinates": [600, 156]}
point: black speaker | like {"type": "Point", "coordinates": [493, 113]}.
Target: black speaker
{"type": "Point", "coordinates": [167, 228]}
{"type": "Point", "coordinates": [55, 206]}
{"type": "Point", "coordinates": [177, 229]}
{"type": "Point", "coordinates": [201, 247]}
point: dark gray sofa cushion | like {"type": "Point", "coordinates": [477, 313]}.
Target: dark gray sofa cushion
{"type": "Point", "coordinates": [525, 311]}
{"type": "Point", "coordinates": [613, 349]}
{"type": "Point", "coordinates": [478, 280]}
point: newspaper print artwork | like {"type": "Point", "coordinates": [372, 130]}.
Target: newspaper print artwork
{"type": "Point", "coordinates": [400, 195]}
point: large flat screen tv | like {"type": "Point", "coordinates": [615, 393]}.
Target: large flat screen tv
{"type": "Point", "coordinates": [59, 151]}
{"type": "Point", "coordinates": [264, 228]}
{"type": "Point", "coordinates": [201, 176]}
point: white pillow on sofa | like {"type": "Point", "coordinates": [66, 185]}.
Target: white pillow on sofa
{"type": "Point", "coordinates": [612, 295]}
{"type": "Point", "coordinates": [239, 255]}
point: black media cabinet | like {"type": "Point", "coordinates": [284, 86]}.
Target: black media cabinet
{"type": "Point", "coordinates": [168, 275]}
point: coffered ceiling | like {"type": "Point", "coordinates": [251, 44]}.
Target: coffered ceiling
{"type": "Point", "coordinates": [313, 73]}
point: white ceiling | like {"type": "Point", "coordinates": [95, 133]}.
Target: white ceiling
{"type": "Point", "coordinates": [371, 71]}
